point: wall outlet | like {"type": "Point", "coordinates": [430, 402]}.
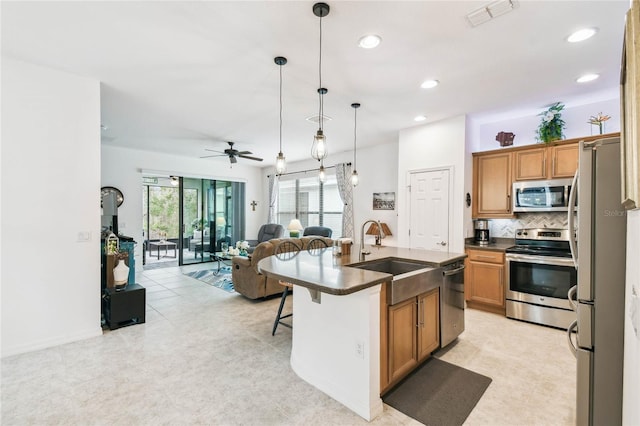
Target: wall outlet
{"type": "Point", "coordinates": [359, 349]}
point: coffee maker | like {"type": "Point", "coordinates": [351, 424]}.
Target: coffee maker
{"type": "Point", "coordinates": [481, 233]}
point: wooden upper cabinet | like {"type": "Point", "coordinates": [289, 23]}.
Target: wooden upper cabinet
{"type": "Point", "coordinates": [492, 185]}
{"type": "Point", "coordinates": [564, 161]}
{"type": "Point", "coordinates": [548, 162]}
{"type": "Point", "coordinates": [530, 164]}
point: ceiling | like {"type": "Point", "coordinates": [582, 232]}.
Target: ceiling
{"type": "Point", "coordinates": [182, 77]}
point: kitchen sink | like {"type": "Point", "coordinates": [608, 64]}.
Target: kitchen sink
{"type": "Point", "coordinates": [409, 278]}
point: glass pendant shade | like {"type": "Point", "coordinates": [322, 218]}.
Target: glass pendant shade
{"type": "Point", "coordinates": [354, 178]}
{"type": "Point", "coordinates": [281, 165]}
{"type": "Point", "coordinates": [319, 147]}
{"type": "Point", "coordinates": [322, 175]}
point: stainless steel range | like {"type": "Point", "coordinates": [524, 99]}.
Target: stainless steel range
{"type": "Point", "coordinates": [540, 273]}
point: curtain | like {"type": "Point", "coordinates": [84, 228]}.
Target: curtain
{"type": "Point", "coordinates": [273, 196]}
{"type": "Point", "coordinates": [343, 176]}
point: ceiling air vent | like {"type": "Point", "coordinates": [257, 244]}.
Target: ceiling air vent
{"type": "Point", "coordinates": [490, 11]}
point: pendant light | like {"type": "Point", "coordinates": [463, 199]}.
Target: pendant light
{"type": "Point", "coordinates": [319, 147]}
{"type": "Point", "coordinates": [322, 175]}
{"type": "Point", "coordinates": [280, 160]}
{"type": "Point", "coordinates": [354, 175]}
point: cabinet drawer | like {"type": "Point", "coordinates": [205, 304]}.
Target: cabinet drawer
{"type": "Point", "coordinates": [486, 256]}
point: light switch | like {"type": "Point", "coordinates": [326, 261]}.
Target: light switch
{"type": "Point", "coordinates": [84, 236]}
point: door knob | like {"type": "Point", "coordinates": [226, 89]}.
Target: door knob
{"type": "Point", "coordinates": [443, 243]}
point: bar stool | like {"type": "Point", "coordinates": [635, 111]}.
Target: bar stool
{"type": "Point", "coordinates": [286, 250]}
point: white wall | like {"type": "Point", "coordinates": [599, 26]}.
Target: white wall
{"type": "Point", "coordinates": [378, 171]}
{"type": "Point", "coordinates": [50, 186]}
{"type": "Point", "coordinates": [576, 118]}
{"type": "Point", "coordinates": [631, 395]}
{"type": "Point", "coordinates": [440, 144]}
{"type": "Point", "coordinates": [122, 168]}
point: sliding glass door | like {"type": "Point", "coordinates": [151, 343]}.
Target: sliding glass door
{"type": "Point", "coordinates": [212, 213]}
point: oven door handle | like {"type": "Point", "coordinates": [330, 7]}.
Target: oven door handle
{"type": "Point", "coordinates": [542, 260]}
{"type": "Point", "coordinates": [572, 347]}
{"type": "Point", "coordinates": [570, 294]}
{"type": "Point", "coordinates": [571, 220]}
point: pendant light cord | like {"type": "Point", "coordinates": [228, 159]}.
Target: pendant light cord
{"type": "Point", "coordinates": [321, 112]}
{"type": "Point", "coordinates": [280, 109]}
{"type": "Point", "coordinates": [355, 134]}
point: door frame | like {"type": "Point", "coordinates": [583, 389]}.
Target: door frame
{"type": "Point", "coordinates": [407, 218]}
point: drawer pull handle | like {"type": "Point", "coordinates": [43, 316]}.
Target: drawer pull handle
{"type": "Point", "coordinates": [486, 257]}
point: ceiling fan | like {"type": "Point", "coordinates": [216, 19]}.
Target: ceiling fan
{"type": "Point", "coordinates": [232, 154]}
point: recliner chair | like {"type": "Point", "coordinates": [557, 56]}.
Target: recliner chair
{"type": "Point", "coordinates": [266, 232]}
{"type": "Point", "coordinates": [321, 231]}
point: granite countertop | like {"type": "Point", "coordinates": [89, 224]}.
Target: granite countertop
{"type": "Point", "coordinates": [496, 244]}
{"type": "Point", "coordinates": [331, 274]}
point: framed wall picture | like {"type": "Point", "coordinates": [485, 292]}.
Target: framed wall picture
{"type": "Point", "coordinates": [384, 200]}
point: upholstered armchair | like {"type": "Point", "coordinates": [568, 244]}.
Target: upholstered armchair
{"type": "Point", "coordinates": [321, 231]}
{"type": "Point", "coordinates": [246, 278]}
{"type": "Point", "coordinates": [266, 233]}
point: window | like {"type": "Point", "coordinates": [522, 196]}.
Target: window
{"type": "Point", "coordinates": [314, 203]}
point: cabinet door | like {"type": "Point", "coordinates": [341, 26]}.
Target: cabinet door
{"type": "Point", "coordinates": [486, 283]}
{"type": "Point", "coordinates": [564, 161]}
{"type": "Point", "coordinates": [530, 164]}
{"type": "Point", "coordinates": [402, 338]}
{"type": "Point", "coordinates": [492, 185]}
{"type": "Point", "coordinates": [428, 323]}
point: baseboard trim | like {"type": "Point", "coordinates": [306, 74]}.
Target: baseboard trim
{"type": "Point", "coordinates": [50, 342]}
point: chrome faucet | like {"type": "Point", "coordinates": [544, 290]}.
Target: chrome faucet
{"type": "Point", "coordinates": [379, 237]}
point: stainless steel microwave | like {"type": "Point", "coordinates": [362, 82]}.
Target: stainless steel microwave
{"type": "Point", "coordinates": [541, 195]}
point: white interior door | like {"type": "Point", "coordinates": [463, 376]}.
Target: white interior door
{"type": "Point", "coordinates": [429, 210]}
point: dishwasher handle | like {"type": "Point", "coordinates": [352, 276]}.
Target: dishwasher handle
{"type": "Point", "coordinates": [453, 271]}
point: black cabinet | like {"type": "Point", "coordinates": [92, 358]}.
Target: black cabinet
{"type": "Point", "coordinates": [124, 307]}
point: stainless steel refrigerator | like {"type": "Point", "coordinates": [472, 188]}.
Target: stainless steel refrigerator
{"type": "Point", "coordinates": [600, 260]}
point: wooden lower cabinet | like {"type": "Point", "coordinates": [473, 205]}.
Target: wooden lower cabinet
{"type": "Point", "coordinates": [485, 280]}
{"type": "Point", "coordinates": [412, 334]}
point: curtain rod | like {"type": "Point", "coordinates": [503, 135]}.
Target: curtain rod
{"type": "Point", "coordinates": [306, 171]}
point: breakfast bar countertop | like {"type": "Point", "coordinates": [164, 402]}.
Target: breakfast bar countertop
{"type": "Point", "coordinates": [330, 274]}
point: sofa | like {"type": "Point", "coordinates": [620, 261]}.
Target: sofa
{"type": "Point", "coordinates": [196, 241]}
{"type": "Point", "coordinates": [246, 278]}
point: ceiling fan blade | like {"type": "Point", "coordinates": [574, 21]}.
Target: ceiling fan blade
{"type": "Point", "coordinates": [249, 158]}
{"type": "Point", "coordinates": [233, 159]}
{"type": "Point", "coordinates": [244, 152]}
{"type": "Point", "coordinates": [213, 150]}
{"type": "Point", "coordinates": [218, 155]}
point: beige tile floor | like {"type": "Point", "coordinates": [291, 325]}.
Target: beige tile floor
{"type": "Point", "coordinates": [205, 356]}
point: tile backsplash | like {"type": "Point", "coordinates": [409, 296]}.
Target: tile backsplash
{"type": "Point", "coordinates": [505, 228]}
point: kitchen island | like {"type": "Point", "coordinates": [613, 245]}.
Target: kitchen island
{"type": "Point", "coordinates": [336, 341]}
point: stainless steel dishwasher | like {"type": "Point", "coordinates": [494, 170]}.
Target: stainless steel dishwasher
{"type": "Point", "coordinates": [452, 302]}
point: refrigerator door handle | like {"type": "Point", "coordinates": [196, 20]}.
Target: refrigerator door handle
{"type": "Point", "coordinates": [572, 347]}
{"type": "Point", "coordinates": [570, 295]}
{"type": "Point", "coordinates": [571, 220]}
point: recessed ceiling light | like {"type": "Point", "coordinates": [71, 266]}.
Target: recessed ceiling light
{"type": "Point", "coordinates": [369, 41]}
{"type": "Point", "coordinates": [429, 84]}
{"type": "Point", "coordinates": [420, 118]}
{"type": "Point", "coordinates": [582, 35]}
{"type": "Point", "coordinates": [587, 77]}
